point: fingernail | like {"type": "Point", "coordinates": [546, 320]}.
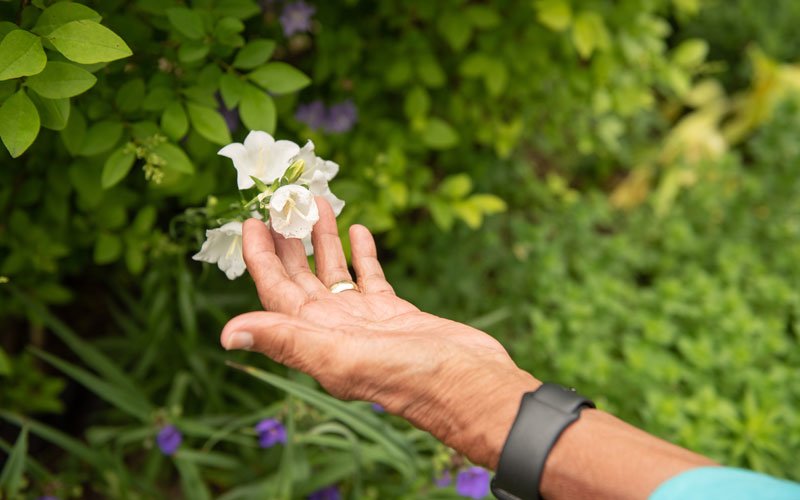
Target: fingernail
{"type": "Point", "coordinates": [239, 340]}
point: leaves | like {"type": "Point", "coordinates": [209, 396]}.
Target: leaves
{"type": "Point", "coordinates": [61, 13]}
{"type": "Point", "coordinates": [117, 166]}
{"type": "Point", "coordinates": [555, 14]}
{"type": "Point", "coordinates": [19, 123]}
{"type": "Point", "coordinates": [257, 109]}
{"type": "Point", "coordinates": [60, 79]}
{"type": "Point", "coordinates": [53, 113]}
{"type": "Point", "coordinates": [11, 476]}
{"type": "Point", "coordinates": [439, 134]}
{"type": "Point", "coordinates": [254, 54]}
{"type": "Point", "coordinates": [187, 22]}
{"type": "Point", "coordinates": [209, 124]}
{"type": "Point", "coordinates": [174, 121]}
{"type": "Point", "coordinates": [88, 42]}
{"type": "Point", "coordinates": [279, 78]}
{"type": "Point", "coordinates": [589, 33]}
{"type": "Point", "coordinates": [175, 158]}
{"type": "Point", "coordinates": [21, 54]}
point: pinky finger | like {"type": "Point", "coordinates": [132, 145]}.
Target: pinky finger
{"type": "Point", "coordinates": [365, 261]}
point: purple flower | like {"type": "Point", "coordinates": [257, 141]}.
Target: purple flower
{"type": "Point", "coordinates": [444, 480]}
{"type": "Point", "coordinates": [473, 482]}
{"type": "Point", "coordinates": [327, 493]}
{"type": "Point", "coordinates": [341, 117]}
{"type": "Point", "coordinates": [169, 439]}
{"type": "Point", "coordinates": [296, 18]}
{"type": "Point", "coordinates": [270, 432]}
{"type": "Point", "coordinates": [312, 114]}
{"type": "Point", "coordinates": [378, 408]}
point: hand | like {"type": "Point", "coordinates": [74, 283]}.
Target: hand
{"type": "Point", "coordinates": [445, 377]}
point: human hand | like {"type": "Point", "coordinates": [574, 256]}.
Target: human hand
{"type": "Point", "coordinates": [445, 377]}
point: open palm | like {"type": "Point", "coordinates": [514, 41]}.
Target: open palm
{"type": "Point", "coordinates": [370, 344]}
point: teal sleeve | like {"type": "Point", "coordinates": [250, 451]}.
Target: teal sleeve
{"type": "Point", "coordinates": [717, 483]}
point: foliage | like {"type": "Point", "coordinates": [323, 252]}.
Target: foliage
{"type": "Point", "coordinates": [645, 250]}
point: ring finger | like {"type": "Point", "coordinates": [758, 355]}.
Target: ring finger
{"type": "Point", "coordinates": [328, 254]}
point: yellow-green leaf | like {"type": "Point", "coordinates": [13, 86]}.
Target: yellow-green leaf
{"type": "Point", "coordinates": [88, 42]}
{"type": "Point", "coordinates": [257, 109]}
{"type": "Point", "coordinates": [209, 124]}
{"type": "Point", "coordinates": [21, 54]}
{"type": "Point", "coordinates": [61, 79]}
{"type": "Point", "coordinates": [19, 123]}
{"type": "Point", "coordinates": [589, 33]}
{"type": "Point", "coordinates": [117, 166]}
{"type": "Point", "coordinates": [279, 78]}
{"type": "Point", "coordinates": [555, 14]}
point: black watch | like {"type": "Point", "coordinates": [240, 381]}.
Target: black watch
{"type": "Point", "coordinates": [543, 415]}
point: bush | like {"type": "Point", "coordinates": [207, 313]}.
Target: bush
{"type": "Point", "coordinates": [441, 114]}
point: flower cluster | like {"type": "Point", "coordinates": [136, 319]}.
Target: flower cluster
{"type": "Point", "coordinates": [285, 179]}
{"type": "Point", "coordinates": [335, 119]}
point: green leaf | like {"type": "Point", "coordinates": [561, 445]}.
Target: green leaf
{"type": "Point", "coordinates": [19, 123]}
{"type": "Point", "coordinates": [554, 14]}
{"type": "Point", "coordinates": [130, 95]}
{"type": "Point", "coordinates": [60, 439]}
{"type": "Point", "coordinates": [483, 16]}
{"type": "Point", "coordinates": [60, 79]}
{"type": "Point", "coordinates": [690, 53]}
{"type": "Point", "coordinates": [257, 110]}
{"type": "Point", "coordinates": [279, 78]}
{"type": "Point", "coordinates": [21, 54]}
{"type": "Point", "coordinates": [174, 122]}
{"type": "Point", "coordinates": [230, 87]}
{"type": "Point", "coordinates": [101, 137]}
{"type": "Point", "coordinates": [187, 22]}
{"type": "Point", "coordinates": [107, 248]}
{"type": "Point", "coordinates": [227, 30]}
{"type": "Point", "coordinates": [417, 102]}
{"type": "Point", "coordinates": [192, 483]}
{"type": "Point", "coordinates": [175, 158]}
{"type": "Point", "coordinates": [74, 133]}
{"type": "Point", "coordinates": [53, 113]}
{"type": "Point", "coordinates": [5, 363]}
{"type": "Point", "coordinates": [488, 203]}
{"type": "Point", "coordinates": [6, 28]}
{"type": "Point", "coordinates": [61, 13]}
{"type": "Point", "coordinates": [455, 27]}
{"type": "Point", "coordinates": [11, 477]}
{"type": "Point", "coordinates": [192, 52]}
{"type": "Point", "coordinates": [131, 403]}
{"type": "Point", "coordinates": [476, 64]}
{"type": "Point", "coordinates": [469, 213]}
{"type": "Point", "coordinates": [88, 42]}
{"type": "Point", "coordinates": [117, 166]}
{"type": "Point", "coordinates": [439, 134]}
{"type": "Point", "coordinates": [589, 33]}
{"type": "Point", "coordinates": [254, 54]}
{"type": "Point", "coordinates": [209, 124]}
{"type": "Point", "coordinates": [456, 186]}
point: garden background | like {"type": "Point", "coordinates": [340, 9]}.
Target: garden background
{"type": "Point", "coordinates": [609, 187]}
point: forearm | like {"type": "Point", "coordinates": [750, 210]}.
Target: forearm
{"type": "Point", "coordinates": [600, 456]}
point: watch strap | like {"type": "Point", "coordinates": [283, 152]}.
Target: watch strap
{"type": "Point", "coordinates": [543, 415]}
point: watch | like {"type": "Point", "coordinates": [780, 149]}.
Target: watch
{"type": "Point", "coordinates": [543, 415]}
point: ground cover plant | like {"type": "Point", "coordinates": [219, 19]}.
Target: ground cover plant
{"type": "Point", "coordinates": [608, 187]}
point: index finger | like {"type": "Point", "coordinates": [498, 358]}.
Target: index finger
{"type": "Point", "coordinates": [275, 289]}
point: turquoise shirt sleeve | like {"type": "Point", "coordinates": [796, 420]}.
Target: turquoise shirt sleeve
{"type": "Point", "coordinates": [717, 483]}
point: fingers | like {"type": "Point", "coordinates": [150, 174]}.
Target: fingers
{"type": "Point", "coordinates": [287, 339]}
{"type": "Point", "coordinates": [292, 254]}
{"type": "Point", "coordinates": [328, 253]}
{"type": "Point", "coordinates": [275, 289]}
{"type": "Point", "coordinates": [365, 261]}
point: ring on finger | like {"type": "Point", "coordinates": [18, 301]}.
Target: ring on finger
{"type": "Point", "coordinates": [343, 286]}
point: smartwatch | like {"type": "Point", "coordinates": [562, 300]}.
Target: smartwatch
{"type": "Point", "coordinates": [543, 415]}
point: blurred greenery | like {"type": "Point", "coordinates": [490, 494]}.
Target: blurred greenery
{"type": "Point", "coordinates": [608, 187]}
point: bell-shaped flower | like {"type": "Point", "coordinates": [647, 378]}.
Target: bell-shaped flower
{"type": "Point", "coordinates": [223, 247]}
{"type": "Point", "coordinates": [319, 187]}
{"type": "Point", "coordinates": [293, 211]}
{"type": "Point", "coordinates": [316, 174]}
{"type": "Point", "coordinates": [261, 156]}
{"type": "Point", "coordinates": [314, 164]}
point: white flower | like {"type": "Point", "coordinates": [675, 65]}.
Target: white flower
{"type": "Point", "coordinates": [293, 211]}
{"type": "Point", "coordinates": [260, 156]}
{"type": "Point", "coordinates": [223, 247]}
{"type": "Point", "coordinates": [316, 174]}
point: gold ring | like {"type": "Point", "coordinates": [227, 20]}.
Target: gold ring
{"type": "Point", "coordinates": [343, 286]}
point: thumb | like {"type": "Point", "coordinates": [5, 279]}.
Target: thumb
{"type": "Point", "coordinates": [288, 340]}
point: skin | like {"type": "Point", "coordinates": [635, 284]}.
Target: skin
{"type": "Point", "coordinates": [447, 378]}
